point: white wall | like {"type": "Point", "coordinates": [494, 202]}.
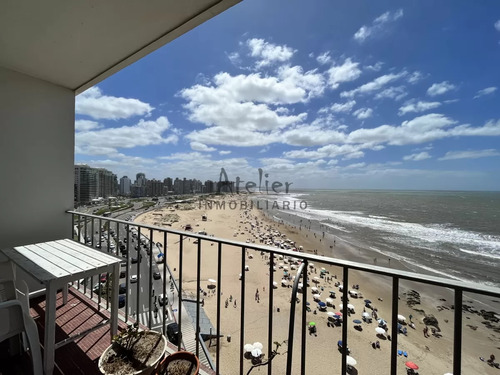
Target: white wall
{"type": "Point", "coordinates": [36, 159]}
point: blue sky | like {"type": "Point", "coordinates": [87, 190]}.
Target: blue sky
{"type": "Point", "coordinates": [323, 94]}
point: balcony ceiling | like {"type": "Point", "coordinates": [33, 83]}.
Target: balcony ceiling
{"type": "Point", "coordinates": [76, 44]}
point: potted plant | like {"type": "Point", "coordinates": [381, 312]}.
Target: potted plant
{"type": "Point", "coordinates": [133, 352]}
{"type": "Point", "coordinates": [179, 363]}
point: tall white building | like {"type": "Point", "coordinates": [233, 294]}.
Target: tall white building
{"type": "Point", "coordinates": [125, 184]}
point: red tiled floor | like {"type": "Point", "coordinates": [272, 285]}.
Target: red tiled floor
{"type": "Point", "coordinates": [79, 314]}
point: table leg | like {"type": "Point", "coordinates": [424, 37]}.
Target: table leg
{"type": "Point", "coordinates": [50, 329]}
{"type": "Point", "coordinates": [114, 300]}
{"type": "Point", "coordinates": [65, 294]}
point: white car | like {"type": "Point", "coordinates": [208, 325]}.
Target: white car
{"type": "Point", "coordinates": [133, 278]}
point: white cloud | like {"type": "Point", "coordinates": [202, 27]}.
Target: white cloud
{"type": "Point", "coordinates": [311, 135]}
{"type": "Point", "coordinates": [393, 92]}
{"type": "Point", "coordinates": [440, 88]}
{"type": "Point", "coordinates": [348, 71]}
{"type": "Point", "coordinates": [234, 57]}
{"type": "Point", "coordinates": [420, 106]}
{"type": "Point", "coordinates": [415, 77]}
{"type": "Point", "coordinates": [374, 85]}
{"type": "Point", "coordinates": [268, 53]}
{"type": "Point", "coordinates": [497, 25]}
{"type": "Point", "coordinates": [417, 157]}
{"type": "Point", "coordinates": [486, 91]}
{"type": "Point", "coordinates": [224, 152]}
{"type": "Point", "coordinates": [376, 67]}
{"type": "Point", "coordinates": [84, 125]}
{"type": "Point", "coordinates": [377, 26]}
{"type": "Point", "coordinates": [355, 166]}
{"type": "Point", "coordinates": [197, 146]}
{"type": "Point", "coordinates": [107, 141]}
{"type": "Point", "coordinates": [312, 82]}
{"type": "Point", "coordinates": [343, 107]}
{"type": "Point", "coordinates": [98, 106]}
{"type": "Point", "coordinates": [470, 154]}
{"type": "Point", "coordinates": [324, 58]}
{"type": "Point", "coordinates": [363, 113]}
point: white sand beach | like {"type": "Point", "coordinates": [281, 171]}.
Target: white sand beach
{"type": "Point", "coordinates": [433, 354]}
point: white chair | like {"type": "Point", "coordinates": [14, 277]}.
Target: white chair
{"type": "Point", "coordinates": [15, 315]}
{"type": "Point", "coordinates": [13, 321]}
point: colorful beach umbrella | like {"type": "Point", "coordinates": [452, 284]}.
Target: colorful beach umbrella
{"type": "Point", "coordinates": [312, 324]}
{"type": "Point", "coordinates": [411, 365]}
{"type": "Point", "coordinates": [356, 321]}
{"type": "Point", "coordinates": [368, 301]}
{"type": "Point", "coordinates": [321, 304]}
{"type": "Point", "coordinates": [380, 331]}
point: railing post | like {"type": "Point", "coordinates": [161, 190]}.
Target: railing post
{"type": "Point", "coordinates": [164, 289]}
{"type": "Point", "coordinates": [198, 286]}
{"type": "Point", "coordinates": [345, 294]}
{"type": "Point", "coordinates": [150, 315]}
{"type": "Point", "coordinates": [271, 312]}
{"type": "Point", "coordinates": [394, 326]}
{"type": "Point", "coordinates": [138, 290]}
{"type": "Point", "coordinates": [179, 299]}
{"type": "Point", "coordinates": [242, 304]}
{"type": "Point", "coordinates": [291, 323]}
{"type": "Point", "coordinates": [457, 335]}
{"type": "Point", "coordinates": [219, 281]}
{"type": "Point", "coordinates": [304, 319]}
{"type": "Point", "coordinates": [127, 276]}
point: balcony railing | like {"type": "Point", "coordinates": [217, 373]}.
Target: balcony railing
{"type": "Point", "coordinates": [86, 225]}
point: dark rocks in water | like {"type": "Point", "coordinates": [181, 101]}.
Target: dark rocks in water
{"type": "Point", "coordinates": [431, 320]}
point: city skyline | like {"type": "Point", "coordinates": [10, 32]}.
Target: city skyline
{"type": "Point", "coordinates": [333, 96]}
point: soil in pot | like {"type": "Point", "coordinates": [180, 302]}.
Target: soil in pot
{"type": "Point", "coordinates": [143, 354]}
{"type": "Point", "coordinates": [180, 367]}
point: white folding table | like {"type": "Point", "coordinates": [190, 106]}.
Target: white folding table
{"type": "Point", "coordinates": [57, 263]}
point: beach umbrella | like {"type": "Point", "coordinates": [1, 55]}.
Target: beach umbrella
{"type": "Point", "coordinates": [300, 285]}
{"type": "Point", "coordinates": [339, 314]}
{"type": "Point", "coordinates": [247, 268]}
{"type": "Point", "coordinates": [285, 268]}
{"type": "Point", "coordinates": [380, 331]}
{"type": "Point", "coordinates": [312, 324]}
{"type": "Point", "coordinates": [321, 304]}
{"type": "Point", "coordinates": [275, 283]}
{"type": "Point", "coordinates": [331, 314]}
{"type": "Point", "coordinates": [401, 318]}
{"type": "Point", "coordinates": [381, 321]}
{"type": "Point", "coordinates": [284, 282]}
{"type": "Point", "coordinates": [411, 365]}
{"type": "Point", "coordinates": [308, 303]}
{"type": "Point", "coordinates": [329, 300]}
{"type": "Point", "coordinates": [316, 297]}
{"type": "Point", "coordinates": [350, 307]}
{"type": "Point", "coordinates": [448, 373]}
{"type": "Point", "coordinates": [366, 315]}
{"type": "Point", "coordinates": [256, 353]}
{"type": "Point", "coordinates": [316, 279]}
{"type": "Point", "coordinates": [258, 345]}
{"type": "Point", "coordinates": [323, 269]}
{"type": "Point", "coordinates": [248, 348]}
{"type": "Point", "coordinates": [356, 321]}
{"type": "Point", "coordinates": [314, 289]}
{"type": "Point", "coordinates": [311, 265]}
{"type": "Point", "coordinates": [212, 281]}
{"type": "Point", "coordinates": [367, 301]}
{"type": "Point", "coordinates": [160, 255]}
{"type": "Point", "coordinates": [350, 361]}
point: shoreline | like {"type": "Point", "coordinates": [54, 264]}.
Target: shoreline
{"type": "Point", "coordinates": [234, 225]}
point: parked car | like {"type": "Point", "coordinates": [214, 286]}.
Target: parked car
{"type": "Point", "coordinates": [121, 300]}
{"type": "Point", "coordinates": [156, 276]}
{"type": "Point", "coordinates": [122, 289]}
{"type": "Point", "coordinates": [133, 278]}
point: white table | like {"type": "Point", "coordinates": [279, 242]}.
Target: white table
{"type": "Point", "coordinates": [55, 264]}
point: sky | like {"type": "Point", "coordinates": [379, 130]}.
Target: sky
{"type": "Point", "coordinates": [321, 94]}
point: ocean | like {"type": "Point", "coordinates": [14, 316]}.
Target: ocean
{"type": "Point", "coordinates": [450, 234]}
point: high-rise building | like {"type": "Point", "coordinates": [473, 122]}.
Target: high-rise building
{"type": "Point", "coordinates": [154, 188]}
{"type": "Point", "coordinates": [140, 179]}
{"type": "Point", "coordinates": [125, 184]}
{"type": "Point", "coordinates": [85, 184]}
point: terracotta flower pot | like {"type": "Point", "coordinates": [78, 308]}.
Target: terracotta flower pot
{"type": "Point", "coordinates": [191, 362]}
{"type": "Point", "coordinates": [150, 366]}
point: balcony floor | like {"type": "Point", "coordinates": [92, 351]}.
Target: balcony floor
{"type": "Point", "coordinates": [79, 314]}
